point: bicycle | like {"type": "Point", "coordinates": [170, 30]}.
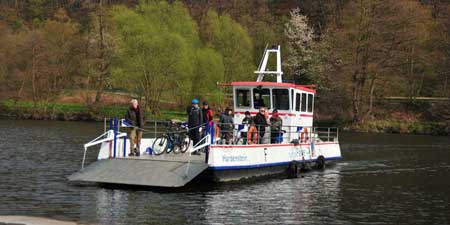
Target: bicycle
{"type": "Point", "coordinates": [176, 141]}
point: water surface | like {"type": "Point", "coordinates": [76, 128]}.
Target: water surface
{"type": "Point", "coordinates": [383, 179]}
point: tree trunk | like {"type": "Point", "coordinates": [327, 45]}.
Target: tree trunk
{"type": "Point", "coordinates": [103, 64]}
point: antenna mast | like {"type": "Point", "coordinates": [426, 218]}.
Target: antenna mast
{"type": "Point", "coordinates": [263, 65]}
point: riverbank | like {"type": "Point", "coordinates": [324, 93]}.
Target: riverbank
{"type": "Point", "coordinates": [24, 110]}
{"type": "Point", "coordinates": [401, 127]}
{"type": "Point", "coordinates": [79, 112]}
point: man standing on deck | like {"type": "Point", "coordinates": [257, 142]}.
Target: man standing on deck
{"type": "Point", "coordinates": [135, 116]}
{"type": "Point", "coordinates": [195, 121]}
{"type": "Point", "coordinates": [276, 124]}
{"type": "Point", "coordinates": [261, 123]}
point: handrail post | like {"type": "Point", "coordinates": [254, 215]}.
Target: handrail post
{"type": "Point", "coordinates": [337, 133]}
{"type": "Point", "coordinates": [115, 136]}
{"type": "Point", "coordinates": [125, 146]}
{"type": "Point", "coordinates": [84, 158]}
{"type": "Point", "coordinates": [155, 129]}
{"type": "Point", "coordinates": [328, 138]}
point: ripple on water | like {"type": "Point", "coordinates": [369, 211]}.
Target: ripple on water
{"type": "Point", "coordinates": [383, 179]}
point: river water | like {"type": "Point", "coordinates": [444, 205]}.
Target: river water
{"type": "Point", "coordinates": [383, 179]}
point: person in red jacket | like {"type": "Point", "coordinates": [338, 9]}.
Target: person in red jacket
{"type": "Point", "coordinates": [208, 120]}
{"type": "Point", "coordinates": [207, 114]}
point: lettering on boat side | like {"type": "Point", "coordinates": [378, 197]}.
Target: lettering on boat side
{"type": "Point", "coordinates": [294, 154]}
{"type": "Point", "coordinates": [234, 158]}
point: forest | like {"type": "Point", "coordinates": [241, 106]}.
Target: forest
{"type": "Point", "coordinates": [377, 65]}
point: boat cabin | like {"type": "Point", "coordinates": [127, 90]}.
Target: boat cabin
{"type": "Point", "coordinates": [295, 103]}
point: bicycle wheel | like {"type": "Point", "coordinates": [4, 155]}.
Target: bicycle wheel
{"type": "Point", "coordinates": [160, 145]}
{"type": "Point", "coordinates": [176, 148]}
{"type": "Point", "coordinates": [185, 144]}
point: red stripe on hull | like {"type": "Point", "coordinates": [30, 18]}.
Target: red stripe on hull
{"type": "Point", "coordinates": [268, 145]}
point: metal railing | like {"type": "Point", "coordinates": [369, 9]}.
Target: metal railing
{"type": "Point", "coordinates": [234, 133]}
{"type": "Point", "coordinates": [239, 134]}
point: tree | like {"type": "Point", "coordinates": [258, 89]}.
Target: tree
{"type": "Point", "coordinates": [232, 41]}
{"type": "Point", "coordinates": [159, 51]}
{"type": "Point", "coordinates": [99, 47]}
{"type": "Point", "coordinates": [46, 60]}
{"type": "Point", "coordinates": [300, 48]}
{"type": "Point", "coordinates": [210, 70]}
{"type": "Point", "coordinates": [370, 44]}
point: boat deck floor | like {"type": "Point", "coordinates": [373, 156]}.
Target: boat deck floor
{"type": "Point", "coordinates": [181, 157]}
{"type": "Point", "coordinates": [167, 170]}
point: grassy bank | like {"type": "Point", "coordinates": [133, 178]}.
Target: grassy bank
{"type": "Point", "coordinates": [79, 112]}
{"type": "Point", "coordinates": [73, 111]}
{"type": "Point", "coordinates": [401, 127]}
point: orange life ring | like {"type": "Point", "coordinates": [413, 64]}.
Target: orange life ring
{"type": "Point", "coordinates": [304, 135]}
{"type": "Point", "coordinates": [252, 135]}
{"type": "Point", "coordinates": [216, 131]}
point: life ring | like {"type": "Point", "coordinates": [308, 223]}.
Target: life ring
{"type": "Point", "coordinates": [216, 131]}
{"type": "Point", "coordinates": [304, 135]}
{"type": "Point", "coordinates": [252, 135]}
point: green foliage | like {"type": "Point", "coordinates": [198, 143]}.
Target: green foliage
{"type": "Point", "coordinates": [231, 40]}
{"type": "Point", "coordinates": [70, 110]}
{"type": "Point", "coordinates": [153, 55]}
{"type": "Point", "coordinates": [159, 50]}
{"type": "Point", "coordinates": [209, 71]}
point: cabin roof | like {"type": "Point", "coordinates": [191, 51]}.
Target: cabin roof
{"type": "Point", "coordinates": [274, 84]}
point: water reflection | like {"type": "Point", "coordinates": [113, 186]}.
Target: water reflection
{"type": "Point", "coordinates": [290, 201]}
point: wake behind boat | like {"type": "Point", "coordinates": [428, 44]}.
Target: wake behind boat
{"type": "Point", "coordinates": [298, 146]}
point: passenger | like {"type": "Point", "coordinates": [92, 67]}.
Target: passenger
{"type": "Point", "coordinates": [195, 121]}
{"type": "Point", "coordinates": [246, 122]}
{"type": "Point", "coordinates": [261, 123]}
{"type": "Point", "coordinates": [207, 117]}
{"type": "Point", "coordinates": [276, 124]}
{"type": "Point", "coordinates": [252, 134]}
{"type": "Point", "coordinates": [135, 116]}
{"type": "Point", "coordinates": [226, 126]}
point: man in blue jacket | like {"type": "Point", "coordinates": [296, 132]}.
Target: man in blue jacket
{"type": "Point", "coordinates": [195, 121]}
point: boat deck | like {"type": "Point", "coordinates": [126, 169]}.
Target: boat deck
{"type": "Point", "coordinates": [181, 157]}
{"type": "Point", "coordinates": [167, 170]}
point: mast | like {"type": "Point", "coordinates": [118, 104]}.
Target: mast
{"type": "Point", "coordinates": [263, 65]}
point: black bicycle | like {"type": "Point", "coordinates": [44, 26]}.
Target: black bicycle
{"type": "Point", "coordinates": [175, 141]}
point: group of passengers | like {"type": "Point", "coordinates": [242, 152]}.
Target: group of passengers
{"type": "Point", "coordinates": [200, 122]}
{"type": "Point", "coordinates": [257, 127]}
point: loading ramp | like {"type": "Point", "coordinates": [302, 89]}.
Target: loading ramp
{"type": "Point", "coordinates": [165, 171]}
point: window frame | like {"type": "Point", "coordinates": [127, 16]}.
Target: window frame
{"type": "Point", "coordinates": [267, 106]}
{"type": "Point", "coordinates": [310, 106]}
{"type": "Point", "coordinates": [236, 98]}
{"type": "Point", "coordinates": [298, 101]}
{"type": "Point", "coordinates": [288, 96]}
{"type": "Point", "coordinates": [304, 104]}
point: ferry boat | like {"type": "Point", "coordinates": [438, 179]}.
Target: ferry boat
{"type": "Point", "coordinates": [300, 146]}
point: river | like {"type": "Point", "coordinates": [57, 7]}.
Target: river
{"type": "Point", "coordinates": [383, 179]}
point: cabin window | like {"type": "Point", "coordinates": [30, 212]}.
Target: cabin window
{"type": "Point", "coordinates": [261, 98]}
{"type": "Point", "coordinates": [303, 107]}
{"type": "Point", "coordinates": [242, 98]}
{"type": "Point", "coordinates": [310, 102]}
{"type": "Point", "coordinates": [280, 99]}
{"type": "Point", "coordinates": [297, 102]}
